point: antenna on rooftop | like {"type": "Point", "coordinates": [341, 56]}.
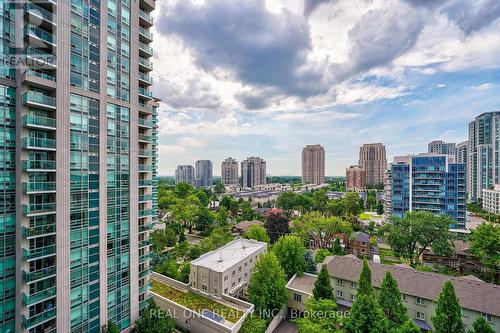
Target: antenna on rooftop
{"type": "Point", "coordinates": [220, 256]}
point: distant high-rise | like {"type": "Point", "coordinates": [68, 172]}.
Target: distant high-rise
{"type": "Point", "coordinates": [229, 172]}
{"type": "Point", "coordinates": [441, 147]}
{"type": "Point", "coordinates": [373, 160]}
{"type": "Point", "coordinates": [483, 164]}
{"type": "Point", "coordinates": [429, 182]}
{"type": "Point", "coordinates": [388, 194]}
{"type": "Point", "coordinates": [462, 152]}
{"type": "Point", "coordinates": [185, 174]}
{"type": "Point", "coordinates": [204, 175]}
{"type": "Point", "coordinates": [253, 172]}
{"type": "Point", "coordinates": [355, 178]}
{"type": "Point", "coordinates": [313, 164]}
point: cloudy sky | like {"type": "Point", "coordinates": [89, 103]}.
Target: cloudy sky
{"type": "Point", "coordinates": [265, 77]}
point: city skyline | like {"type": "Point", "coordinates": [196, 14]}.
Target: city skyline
{"type": "Point", "coordinates": [423, 80]}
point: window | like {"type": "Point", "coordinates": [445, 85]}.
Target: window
{"type": "Point", "coordinates": [239, 269]}
{"type": "Point", "coordinates": [353, 285]}
{"type": "Point", "coordinates": [486, 317]}
{"type": "Point", "coordinates": [246, 264]}
{"type": "Point", "coordinates": [225, 278]}
{"type": "Point", "coordinates": [215, 291]}
{"type": "Point", "coordinates": [225, 290]}
{"type": "Point", "coordinates": [353, 297]}
{"type": "Point", "coordinates": [233, 273]}
{"type": "Point", "coordinates": [340, 294]}
{"type": "Point", "coordinates": [404, 298]}
{"type": "Point", "coordinates": [420, 315]}
{"type": "Point", "coordinates": [340, 282]}
{"type": "Point", "coordinates": [420, 301]}
{"type": "Point", "coordinates": [297, 297]}
{"type": "Point", "coordinates": [204, 288]}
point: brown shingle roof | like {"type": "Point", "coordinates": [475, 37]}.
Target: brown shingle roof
{"type": "Point", "coordinates": [473, 295]}
{"type": "Point", "coordinates": [244, 225]}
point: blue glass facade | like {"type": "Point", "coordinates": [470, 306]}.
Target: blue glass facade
{"type": "Point", "coordinates": [429, 183]}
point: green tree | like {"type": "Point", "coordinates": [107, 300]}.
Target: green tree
{"type": "Point", "coordinates": [253, 324]}
{"type": "Point", "coordinates": [371, 200]}
{"type": "Point", "coordinates": [221, 217]}
{"type": "Point", "coordinates": [320, 201]}
{"type": "Point", "coordinates": [170, 237]}
{"type": "Point", "coordinates": [336, 207]}
{"type": "Point", "coordinates": [365, 280]}
{"type": "Point", "coordinates": [219, 188]}
{"type": "Point", "coordinates": [337, 248]}
{"type": "Point", "coordinates": [310, 263]}
{"type": "Point", "coordinates": [481, 326]}
{"type": "Point", "coordinates": [168, 267]}
{"type": "Point", "coordinates": [111, 327]}
{"type": "Point", "coordinates": [267, 289]}
{"type": "Point", "coordinates": [322, 319]}
{"type": "Point", "coordinates": [247, 213]}
{"type": "Point", "coordinates": [182, 190]}
{"type": "Point", "coordinates": [204, 220]}
{"type": "Point", "coordinates": [366, 316]}
{"type": "Point", "coordinates": [408, 327]}
{"type": "Point", "coordinates": [184, 272]}
{"type": "Point", "coordinates": [288, 201]}
{"type": "Point", "coordinates": [152, 322]}
{"type": "Point", "coordinates": [410, 236]}
{"type": "Point", "coordinates": [186, 210]}
{"type": "Point", "coordinates": [485, 243]}
{"type": "Point", "coordinates": [276, 224]}
{"type": "Point", "coordinates": [352, 204]}
{"type": "Point", "coordinates": [290, 252]}
{"type": "Point", "coordinates": [220, 236]}
{"type": "Point", "coordinates": [322, 286]}
{"type": "Point", "coordinates": [257, 232]}
{"type": "Point", "coordinates": [389, 300]}
{"type": "Point", "coordinates": [380, 208]}
{"type": "Point", "coordinates": [313, 226]}
{"type": "Point", "coordinates": [321, 254]}
{"type": "Point", "coordinates": [158, 241]}
{"type": "Point", "coordinates": [448, 315]}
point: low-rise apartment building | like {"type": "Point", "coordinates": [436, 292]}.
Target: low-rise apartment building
{"type": "Point", "coordinates": [491, 199]}
{"type": "Point", "coordinates": [419, 290]}
{"type": "Point", "coordinates": [226, 270]}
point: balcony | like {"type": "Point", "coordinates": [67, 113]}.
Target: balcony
{"type": "Point", "coordinates": [145, 19]}
{"type": "Point", "coordinates": [39, 253]}
{"type": "Point", "coordinates": [146, 227]}
{"type": "Point", "coordinates": [39, 296]}
{"type": "Point", "coordinates": [145, 198]}
{"type": "Point", "coordinates": [145, 153]}
{"type": "Point", "coordinates": [40, 318]}
{"type": "Point", "coordinates": [39, 165]}
{"type": "Point", "coordinates": [40, 58]}
{"type": "Point", "coordinates": [145, 182]}
{"type": "Point", "coordinates": [39, 209]}
{"type": "Point", "coordinates": [144, 258]}
{"type": "Point", "coordinates": [145, 65]}
{"type": "Point", "coordinates": [38, 13]}
{"type": "Point", "coordinates": [145, 212]}
{"type": "Point", "coordinates": [147, 51]}
{"type": "Point", "coordinates": [145, 93]}
{"type": "Point", "coordinates": [44, 230]}
{"type": "Point", "coordinates": [47, 272]}
{"type": "Point", "coordinates": [144, 243]}
{"type": "Point", "coordinates": [144, 138]}
{"type": "Point", "coordinates": [40, 122]}
{"type": "Point", "coordinates": [40, 74]}
{"type": "Point", "coordinates": [36, 35]}
{"type": "Point", "coordinates": [145, 108]}
{"type": "Point", "coordinates": [148, 4]}
{"type": "Point", "coordinates": [145, 168]}
{"type": "Point", "coordinates": [146, 79]}
{"type": "Point", "coordinates": [39, 187]}
{"type": "Point", "coordinates": [38, 99]}
{"type": "Point", "coordinates": [145, 123]}
{"type": "Point", "coordinates": [145, 35]}
{"type": "Point", "coordinates": [39, 144]}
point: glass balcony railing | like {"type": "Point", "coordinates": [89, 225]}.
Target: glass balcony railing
{"type": "Point", "coordinates": [39, 165]}
{"type": "Point", "coordinates": [40, 74]}
{"type": "Point", "coordinates": [145, 182]}
{"type": "Point", "coordinates": [39, 230]}
{"type": "Point", "coordinates": [146, 227]}
{"type": "Point", "coordinates": [144, 243]}
{"type": "Point", "coordinates": [145, 168]}
{"type": "Point", "coordinates": [146, 78]}
{"type": "Point", "coordinates": [146, 17]}
{"type": "Point", "coordinates": [39, 143]}
{"type": "Point", "coordinates": [34, 9]}
{"type": "Point", "coordinates": [145, 92]}
{"type": "Point", "coordinates": [146, 63]}
{"type": "Point", "coordinates": [143, 137]}
{"type": "Point", "coordinates": [144, 274]}
{"type": "Point", "coordinates": [39, 274]}
{"type": "Point", "coordinates": [145, 152]}
{"type": "Point", "coordinates": [31, 254]}
{"type": "Point", "coordinates": [31, 30]}
{"type": "Point", "coordinates": [144, 258]}
{"type": "Point", "coordinates": [30, 321]}
{"type": "Point", "coordinates": [146, 48]}
{"type": "Point", "coordinates": [39, 296]}
{"type": "Point", "coordinates": [145, 212]}
{"type": "Point", "coordinates": [39, 208]}
{"type": "Point", "coordinates": [30, 187]}
{"type": "Point", "coordinates": [33, 120]}
{"type": "Point", "coordinates": [41, 56]}
{"type": "Point", "coordinates": [144, 289]}
{"type": "Point", "coordinates": [146, 33]}
{"type": "Point", "coordinates": [144, 122]}
{"type": "Point", "coordinates": [35, 97]}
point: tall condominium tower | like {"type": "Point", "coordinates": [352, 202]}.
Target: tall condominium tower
{"type": "Point", "coordinates": [462, 152]}
{"type": "Point", "coordinates": [441, 147]}
{"type": "Point", "coordinates": [373, 160]}
{"type": "Point", "coordinates": [355, 178]}
{"type": "Point", "coordinates": [483, 164]}
{"type": "Point", "coordinates": [185, 174]}
{"type": "Point", "coordinates": [429, 182]}
{"type": "Point", "coordinates": [313, 164]}
{"type": "Point", "coordinates": [388, 195]}
{"type": "Point", "coordinates": [229, 172]}
{"type": "Point", "coordinates": [253, 172]}
{"type": "Point", "coordinates": [204, 176]}
{"type": "Point", "coordinates": [78, 163]}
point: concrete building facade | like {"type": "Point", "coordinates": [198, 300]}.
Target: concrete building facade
{"type": "Point", "coordinates": [388, 195]}
{"type": "Point", "coordinates": [253, 172]}
{"type": "Point", "coordinates": [79, 155]}
{"type": "Point", "coordinates": [185, 174]}
{"type": "Point", "coordinates": [491, 199]}
{"type": "Point", "coordinates": [372, 158]}
{"type": "Point", "coordinates": [483, 165]}
{"type": "Point", "coordinates": [441, 147]}
{"type": "Point", "coordinates": [313, 164]}
{"type": "Point", "coordinates": [226, 270]}
{"type": "Point", "coordinates": [204, 173]}
{"type": "Point", "coordinates": [355, 178]}
{"type": "Point", "coordinates": [229, 172]}
{"type": "Point", "coordinates": [429, 182]}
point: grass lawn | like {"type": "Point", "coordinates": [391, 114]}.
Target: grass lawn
{"type": "Point", "coordinates": [387, 257]}
{"type": "Point", "coordinates": [365, 216]}
{"type": "Point", "coordinates": [196, 302]}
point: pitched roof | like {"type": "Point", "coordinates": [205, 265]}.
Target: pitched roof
{"type": "Point", "coordinates": [244, 225]}
{"type": "Point", "coordinates": [361, 236]}
{"type": "Point", "coordinates": [474, 295]}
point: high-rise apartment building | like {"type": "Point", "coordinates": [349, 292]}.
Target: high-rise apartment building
{"type": "Point", "coordinates": [483, 163]}
{"type": "Point", "coordinates": [372, 158]}
{"type": "Point", "coordinates": [229, 172]}
{"type": "Point", "coordinates": [355, 178]}
{"type": "Point", "coordinates": [78, 163]}
{"type": "Point", "coordinates": [253, 172]}
{"type": "Point", "coordinates": [441, 147]}
{"type": "Point", "coordinates": [388, 194]}
{"type": "Point", "coordinates": [185, 174]}
{"type": "Point", "coordinates": [204, 175]}
{"type": "Point", "coordinates": [429, 182]}
{"type": "Point", "coordinates": [313, 164]}
{"type": "Point", "coordinates": [462, 152]}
